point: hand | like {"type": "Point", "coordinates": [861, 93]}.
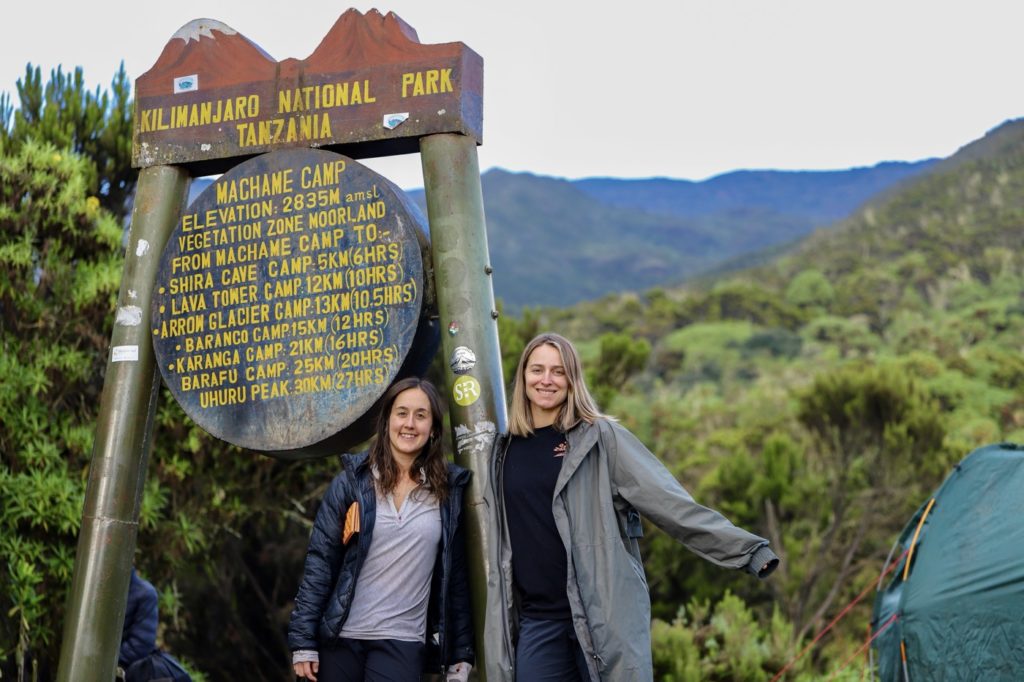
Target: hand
{"type": "Point", "coordinates": [768, 568]}
{"type": "Point", "coordinates": [307, 669]}
{"type": "Point", "coordinates": [458, 672]}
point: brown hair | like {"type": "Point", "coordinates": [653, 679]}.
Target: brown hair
{"type": "Point", "coordinates": [431, 458]}
{"type": "Point", "coordinates": [579, 404]}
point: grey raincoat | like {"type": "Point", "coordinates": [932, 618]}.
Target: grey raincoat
{"type": "Point", "coordinates": [607, 477]}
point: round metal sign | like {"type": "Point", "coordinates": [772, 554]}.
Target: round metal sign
{"type": "Point", "coordinates": [288, 298]}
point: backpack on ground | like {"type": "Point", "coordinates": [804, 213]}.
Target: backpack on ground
{"type": "Point", "coordinates": [159, 666]}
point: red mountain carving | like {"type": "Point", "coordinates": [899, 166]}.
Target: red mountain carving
{"type": "Point", "coordinates": [362, 40]}
{"type": "Point", "coordinates": [217, 53]}
{"type": "Point", "coordinates": [223, 57]}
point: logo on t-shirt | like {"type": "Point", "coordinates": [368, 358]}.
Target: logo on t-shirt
{"type": "Point", "coordinates": [561, 449]}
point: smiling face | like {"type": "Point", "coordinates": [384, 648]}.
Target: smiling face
{"type": "Point", "coordinates": [547, 386]}
{"type": "Point", "coordinates": [409, 424]}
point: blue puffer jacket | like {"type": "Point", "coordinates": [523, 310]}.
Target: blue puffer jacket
{"type": "Point", "coordinates": [332, 569]}
{"type": "Point", "coordinates": [141, 616]}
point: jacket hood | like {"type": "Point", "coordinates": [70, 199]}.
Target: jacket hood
{"type": "Point", "coordinates": [353, 461]}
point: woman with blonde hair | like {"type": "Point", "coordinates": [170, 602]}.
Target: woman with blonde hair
{"type": "Point", "coordinates": [567, 595]}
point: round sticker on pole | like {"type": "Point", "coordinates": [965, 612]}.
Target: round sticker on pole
{"type": "Point", "coordinates": [465, 391]}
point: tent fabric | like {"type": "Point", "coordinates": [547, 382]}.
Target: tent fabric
{"type": "Point", "coordinates": [960, 610]}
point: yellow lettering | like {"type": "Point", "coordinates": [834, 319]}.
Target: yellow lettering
{"type": "Point", "coordinates": [429, 82]}
{"type": "Point", "coordinates": [284, 102]}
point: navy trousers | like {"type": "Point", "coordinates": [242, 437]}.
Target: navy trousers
{"type": "Point", "coordinates": [371, 660]}
{"type": "Point", "coordinates": [548, 651]}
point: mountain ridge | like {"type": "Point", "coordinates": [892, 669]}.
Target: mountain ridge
{"type": "Point", "coordinates": [611, 235]}
{"type": "Point", "coordinates": [557, 242]}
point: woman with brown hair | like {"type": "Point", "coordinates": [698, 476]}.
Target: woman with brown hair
{"type": "Point", "coordinates": [384, 594]}
{"type": "Point", "coordinates": [567, 597]}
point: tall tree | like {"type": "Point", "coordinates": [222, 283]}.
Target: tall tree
{"type": "Point", "coordinates": [96, 124]}
{"type": "Point", "coordinates": [878, 440]}
{"type": "Point", "coordinates": [60, 268]}
{"type": "Point", "coordinates": [222, 531]}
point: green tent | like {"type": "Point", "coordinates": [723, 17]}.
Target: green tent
{"type": "Point", "coordinates": [954, 606]}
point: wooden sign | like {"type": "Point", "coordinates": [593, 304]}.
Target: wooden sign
{"type": "Point", "coordinates": [369, 89]}
{"type": "Point", "coordinates": [288, 298]}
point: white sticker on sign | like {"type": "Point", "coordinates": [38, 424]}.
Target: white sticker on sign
{"type": "Point", "coordinates": [186, 83]}
{"type": "Point", "coordinates": [124, 354]}
{"type": "Point", "coordinates": [392, 121]}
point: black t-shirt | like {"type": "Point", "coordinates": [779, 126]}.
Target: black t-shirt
{"type": "Point", "coordinates": [539, 566]}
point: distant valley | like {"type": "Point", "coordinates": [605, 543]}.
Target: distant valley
{"type": "Point", "coordinates": [556, 242]}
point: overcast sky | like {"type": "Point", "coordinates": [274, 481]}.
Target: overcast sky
{"type": "Point", "coordinates": [681, 89]}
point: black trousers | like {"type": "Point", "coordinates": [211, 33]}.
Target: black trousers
{"type": "Point", "coordinates": [548, 651]}
{"type": "Point", "coordinates": [371, 660]}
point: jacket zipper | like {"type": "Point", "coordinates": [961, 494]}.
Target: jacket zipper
{"type": "Point", "coordinates": [446, 566]}
{"type": "Point", "coordinates": [454, 505]}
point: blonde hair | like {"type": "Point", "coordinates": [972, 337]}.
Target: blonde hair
{"type": "Point", "coordinates": [579, 405]}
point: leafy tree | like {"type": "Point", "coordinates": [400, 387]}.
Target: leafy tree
{"type": "Point", "coordinates": [661, 314]}
{"type": "Point", "coordinates": [850, 337]}
{"type": "Point", "coordinates": [97, 125]}
{"type": "Point", "coordinates": [722, 642]}
{"type": "Point", "coordinates": [513, 336]}
{"type": "Point", "coordinates": [877, 444]}
{"type": "Point", "coordinates": [736, 300]}
{"type": "Point", "coordinates": [810, 289]}
{"type": "Point", "coordinates": [703, 350]}
{"type": "Point", "coordinates": [59, 272]}
{"type": "Point", "coordinates": [775, 342]}
{"type": "Point", "coordinates": [222, 531]}
{"type": "Point", "coordinates": [620, 357]}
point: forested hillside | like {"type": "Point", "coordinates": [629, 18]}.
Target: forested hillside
{"type": "Point", "coordinates": [816, 399]}
{"type": "Point", "coordinates": [820, 398]}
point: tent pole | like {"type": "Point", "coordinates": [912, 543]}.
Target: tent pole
{"type": "Point", "coordinates": [871, 656]}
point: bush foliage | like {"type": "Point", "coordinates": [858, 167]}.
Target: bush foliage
{"type": "Point", "coordinates": [816, 400]}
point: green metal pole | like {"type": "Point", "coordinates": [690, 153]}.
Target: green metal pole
{"type": "Point", "coordinates": [465, 297]}
{"type": "Point", "coordinates": [117, 472]}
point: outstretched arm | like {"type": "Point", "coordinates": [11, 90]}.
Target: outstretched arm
{"type": "Point", "coordinates": [643, 481]}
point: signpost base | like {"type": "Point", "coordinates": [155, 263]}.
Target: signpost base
{"type": "Point", "coordinates": [465, 296]}
{"type": "Point", "coordinates": [117, 472]}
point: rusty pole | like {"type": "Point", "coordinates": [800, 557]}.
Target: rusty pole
{"type": "Point", "coordinates": [117, 472]}
{"type": "Point", "coordinates": [465, 296]}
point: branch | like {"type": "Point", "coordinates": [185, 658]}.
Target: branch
{"type": "Point", "coordinates": [838, 515]}
{"type": "Point", "coordinates": [775, 538]}
{"type": "Point", "coordinates": [837, 584]}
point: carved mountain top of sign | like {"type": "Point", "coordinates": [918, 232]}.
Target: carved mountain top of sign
{"type": "Point", "coordinates": [358, 39]}
{"type": "Point", "coordinates": [217, 56]}
{"type": "Point", "coordinates": [370, 88]}
{"type": "Point", "coordinates": [213, 52]}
